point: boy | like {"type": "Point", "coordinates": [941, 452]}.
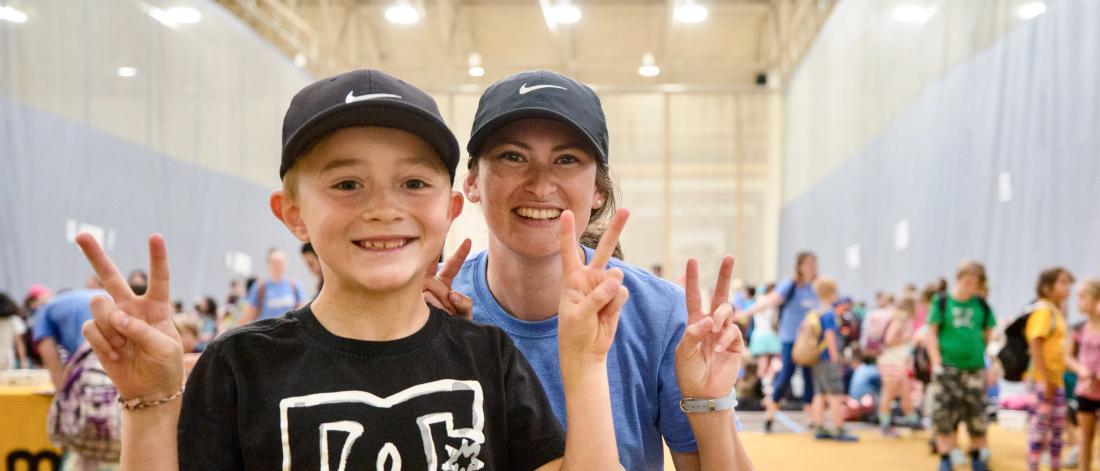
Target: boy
{"type": "Point", "coordinates": [959, 323]}
{"type": "Point", "coordinates": [828, 380]}
{"type": "Point", "coordinates": [367, 375]}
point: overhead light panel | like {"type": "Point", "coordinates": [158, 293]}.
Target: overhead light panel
{"type": "Point", "coordinates": [649, 67]}
{"type": "Point", "coordinates": [12, 15]}
{"type": "Point", "coordinates": [175, 16]}
{"type": "Point", "coordinates": [184, 15]}
{"type": "Point", "coordinates": [127, 72]}
{"type": "Point", "coordinates": [913, 14]}
{"type": "Point", "coordinates": [402, 14]}
{"type": "Point", "coordinates": [690, 12]}
{"type": "Point", "coordinates": [1028, 11]}
{"type": "Point", "coordinates": [476, 70]}
{"type": "Point", "coordinates": [565, 13]}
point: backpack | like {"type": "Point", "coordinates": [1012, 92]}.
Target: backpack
{"type": "Point", "coordinates": [85, 415]}
{"type": "Point", "coordinates": [807, 347]}
{"type": "Point", "coordinates": [875, 342]}
{"type": "Point", "coordinates": [922, 364]}
{"type": "Point", "coordinates": [1014, 356]}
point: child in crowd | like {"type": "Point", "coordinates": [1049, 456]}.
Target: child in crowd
{"type": "Point", "coordinates": [959, 324]}
{"type": "Point", "coordinates": [1046, 336]}
{"type": "Point", "coordinates": [12, 351]}
{"type": "Point", "coordinates": [367, 374]}
{"type": "Point", "coordinates": [1087, 366]}
{"type": "Point", "coordinates": [893, 365]}
{"type": "Point", "coordinates": [764, 342]}
{"type": "Point", "coordinates": [190, 338]}
{"type": "Point", "coordinates": [828, 380]}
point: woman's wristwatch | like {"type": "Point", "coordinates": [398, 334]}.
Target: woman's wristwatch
{"type": "Point", "coordinates": [692, 404]}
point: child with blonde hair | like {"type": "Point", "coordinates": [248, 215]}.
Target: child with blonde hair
{"type": "Point", "coordinates": [828, 378]}
{"type": "Point", "coordinates": [959, 325]}
{"type": "Point", "coordinates": [1087, 366]}
{"type": "Point", "coordinates": [893, 366]}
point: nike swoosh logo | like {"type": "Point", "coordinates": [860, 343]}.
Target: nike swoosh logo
{"type": "Point", "coordinates": [524, 89]}
{"type": "Point", "coordinates": [351, 98]}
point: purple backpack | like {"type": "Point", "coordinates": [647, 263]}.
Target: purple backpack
{"type": "Point", "coordinates": [85, 415]}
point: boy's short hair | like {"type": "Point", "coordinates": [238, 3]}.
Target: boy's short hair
{"type": "Point", "coordinates": [825, 287]}
{"type": "Point", "coordinates": [362, 98]}
{"type": "Point", "coordinates": [970, 267]}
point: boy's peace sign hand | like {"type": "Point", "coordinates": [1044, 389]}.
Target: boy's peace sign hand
{"type": "Point", "coordinates": [592, 295]}
{"type": "Point", "coordinates": [134, 336]}
{"type": "Point", "coordinates": [709, 355]}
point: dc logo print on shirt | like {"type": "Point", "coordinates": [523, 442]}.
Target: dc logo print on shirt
{"type": "Point", "coordinates": [433, 426]}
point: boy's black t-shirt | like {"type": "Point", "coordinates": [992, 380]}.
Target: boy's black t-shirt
{"type": "Point", "coordinates": [287, 394]}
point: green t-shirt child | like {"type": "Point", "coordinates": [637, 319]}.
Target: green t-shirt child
{"type": "Point", "coordinates": [962, 341]}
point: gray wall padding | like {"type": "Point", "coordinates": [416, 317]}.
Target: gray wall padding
{"type": "Point", "coordinates": [55, 170]}
{"type": "Point", "coordinates": [1028, 106]}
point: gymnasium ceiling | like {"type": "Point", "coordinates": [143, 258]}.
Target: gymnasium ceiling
{"type": "Point", "coordinates": [737, 42]}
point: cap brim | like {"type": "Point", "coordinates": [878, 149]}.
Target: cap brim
{"type": "Point", "coordinates": [389, 114]}
{"type": "Point", "coordinates": [498, 122]}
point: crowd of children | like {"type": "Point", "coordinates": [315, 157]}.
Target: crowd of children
{"type": "Point", "coordinates": [926, 360]}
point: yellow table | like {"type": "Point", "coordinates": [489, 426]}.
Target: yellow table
{"type": "Point", "coordinates": [24, 445]}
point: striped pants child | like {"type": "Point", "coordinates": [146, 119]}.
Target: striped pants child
{"type": "Point", "coordinates": [1046, 424]}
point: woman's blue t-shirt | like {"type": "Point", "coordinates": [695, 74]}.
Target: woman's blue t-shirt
{"type": "Point", "coordinates": [640, 365]}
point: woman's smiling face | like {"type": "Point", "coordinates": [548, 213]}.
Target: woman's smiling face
{"type": "Point", "coordinates": [527, 174]}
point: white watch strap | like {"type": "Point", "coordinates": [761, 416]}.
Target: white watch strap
{"type": "Point", "coordinates": [691, 404]}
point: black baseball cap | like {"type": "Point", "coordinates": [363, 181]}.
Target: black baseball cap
{"type": "Point", "coordinates": [540, 94]}
{"type": "Point", "coordinates": [363, 98]}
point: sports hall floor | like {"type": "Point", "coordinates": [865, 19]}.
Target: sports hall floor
{"type": "Point", "coordinates": [785, 450]}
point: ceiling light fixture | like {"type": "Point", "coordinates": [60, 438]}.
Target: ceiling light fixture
{"type": "Point", "coordinates": [474, 61]}
{"type": "Point", "coordinates": [184, 15]}
{"type": "Point", "coordinates": [402, 14]}
{"type": "Point", "coordinates": [175, 16]}
{"type": "Point", "coordinates": [566, 13]}
{"type": "Point", "coordinates": [690, 12]}
{"type": "Point", "coordinates": [649, 67]}
{"type": "Point", "coordinates": [913, 14]}
{"type": "Point", "coordinates": [12, 15]}
{"type": "Point", "coordinates": [1028, 11]}
{"type": "Point", "coordinates": [127, 72]}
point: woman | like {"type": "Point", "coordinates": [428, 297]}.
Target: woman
{"type": "Point", "coordinates": [539, 147]}
{"type": "Point", "coordinates": [794, 298]}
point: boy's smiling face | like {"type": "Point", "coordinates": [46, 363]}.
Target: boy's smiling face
{"type": "Point", "coordinates": [375, 202]}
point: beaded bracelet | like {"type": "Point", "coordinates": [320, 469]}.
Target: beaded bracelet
{"type": "Point", "coordinates": [138, 404]}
